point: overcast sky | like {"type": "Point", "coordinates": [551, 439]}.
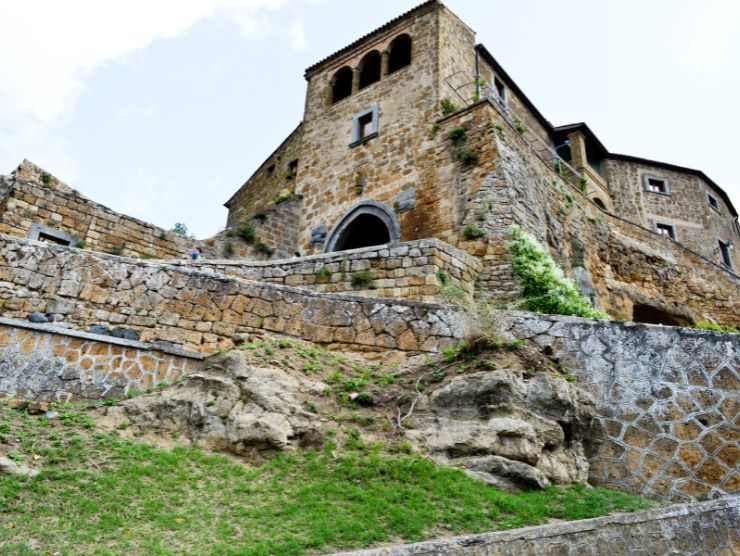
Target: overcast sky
{"type": "Point", "coordinates": [162, 108]}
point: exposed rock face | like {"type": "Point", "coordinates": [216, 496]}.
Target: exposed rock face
{"type": "Point", "coordinates": [509, 430]}
{"type": "Point", "coordinates": [229, 406]}
{"type": "Point", "coordinates": [9, 467]}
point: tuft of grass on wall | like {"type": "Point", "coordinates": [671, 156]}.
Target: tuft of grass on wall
{"type": "Point", "coordinates": [246, 232]}
{"type": "Point", "coordinates": [545, 287]}
{"type": "Point", "coordinates": [714, 327]}
{"type": "Point", "coordinates": [472, 231]}
{"type": "Point", "coordinates": [362, 279]}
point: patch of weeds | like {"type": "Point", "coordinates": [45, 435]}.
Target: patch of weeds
{"type": "Point", "coordinates": [260, 217]}
{"type": "Point", "coordinates": [311, 368]}
{"type": "Point", "coordinates": [457, 135]}
{"type": "Point", "coordinates": [311, 407]}
{"type": "Point", "coordinates": [520, 129]}
{"type": "Point", "coordinates": [471, 231]}
{"type": "Point", "coordinates": [435, 130]}
{"type": "Point", "coordinates": [180, 229]}
{"type": "Point", "coordinates": [323, 274]}
{"type": "Point", "coordinates": [80, 244]}
{"type": "Point", "coordinates": [46, 178]}
{"type": "Point", "coordinates": [448, 107]}
{"type": "Point", "coordinates": [246, 232]}
{"type": "Point", "coordinates": [284, 198]}
{"type": "Point", "coordinates": [544, 286]}
{"type": "Point", "coordinates": [362, 279]}
{"type": "Point", "coordinates": [117, 250]}
{"type": "Point", "coordinates": [228, 251]}
{"type": "Point", "coordinates": [582, 184]}
{"type": "Point", "coordinates": [264, 249]}
{"type": "Point", "coordinates": [714, 327]}
{"type": "Point", "coordinates": [468, 157]}
{"type": "Point", "coordinates": [452, 294]}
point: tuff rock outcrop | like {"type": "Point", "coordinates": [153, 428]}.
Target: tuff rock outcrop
{"type": "Point", "coordinates": [509, 429]}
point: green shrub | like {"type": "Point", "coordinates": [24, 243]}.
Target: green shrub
{"type": "Point", "coordinates": [452, 294]}
{"type": "Point", "coordinates": [284, 198]}
{"type": "Point", "coordinates": [472, 231]}
{"type": "Point", "coordinates": [582, 184]}
{"type": "Point", "coordinates": [264, 249]}
{"type": "Point", "coordinates": [457, 135]}
{"type": "Point", "coordinates": [545, 287]}
{"type": "Point", "coordinates": [468, 157]}
{"type": "Point", "coordinates": [247, 232]}
{"type": "Point", "coordinates": [46, 178]}
{"type": "Point", "coordinates": [520, 129]}
{"type": "Point", "coordinates": [714, 327]}
{"type": "Point", "coordinates": [117, 249]}
{"type": "Point", "coordinates": [362, 279]}
{"type": "Point", "coordinates": [448, 107]}
{"type": "Point", "coordinates": [80, 244]}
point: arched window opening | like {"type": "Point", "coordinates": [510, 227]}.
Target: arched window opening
{"type": "Point", "coordinates": [370, 69]}
{"type": "Point", "coordinates": [400, 53]}
{"type": "Point", "coordinates": [599, 203]}
{"type": "Point", "coordinates": [652, 315]}
{"type": "Point", "coordinates": [341, 84]}
{"type": "Point", "coordinates": [364, 231]}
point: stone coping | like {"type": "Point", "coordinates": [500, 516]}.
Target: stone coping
{"type": "Point", "coordinates": [617, 323]}
{"type": "Point", "coordinates": [63, 331]}
{"type": "Point", "coordinates": [456, 545]}
{"type": "Point", "coordinates": [349, 254]}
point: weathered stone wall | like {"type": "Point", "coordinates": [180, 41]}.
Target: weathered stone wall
{"type": "Point", "coordinates": [616, 262]}
{"type": "Point", "coordinates": [201, 311]}
{"type": "Point", "coordinates": [668, 398]}
{"type": "Point", "coordinates": [698, 226]}
{"type": "Point", "coordinates": [706, 529]}
{"type": "Point", "coordinates": [37, 198]}
{"type": "Point", "coordinates": [47, 362]}
{"type": "Point", "coordinates": [416, 270]}
{"type": "Point", "coordinates": [272, 180]}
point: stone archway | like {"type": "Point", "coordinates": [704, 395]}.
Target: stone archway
{"type": "Point", "coordinates": [367, 224]}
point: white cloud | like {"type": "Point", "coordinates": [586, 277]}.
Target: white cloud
{"type": "Point", "coordinates": [48, 47]}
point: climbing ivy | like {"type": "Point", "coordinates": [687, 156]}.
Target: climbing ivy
{"type": "Point", "coordinates": [545, 287]}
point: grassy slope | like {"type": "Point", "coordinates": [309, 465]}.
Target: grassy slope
{"type": "Point", "coordinates": [101, 494]}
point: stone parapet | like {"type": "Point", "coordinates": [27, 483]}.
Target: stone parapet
{"type": "Point", "coordinates": [426, 270]}
{"type": "Point", "coordinates": [668, 400]}
{"type": "Point", "coordinates": [707, 528]}
{"type": "Point", "coordinates": [204, 311]}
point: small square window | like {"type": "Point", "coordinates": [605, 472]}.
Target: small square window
{"type": "Point", "coordinates": [724, 253]}
{"type": "Point", "coordinates": [656, 185]}
{"type": "Point", "coordinates": [270, 169]}
{"type": "Point", "coordinates": [365, 126]}
{"type": "Point", "coordinates": [666, 230]}
{"type": "Point", "coordinates": [713, 202]}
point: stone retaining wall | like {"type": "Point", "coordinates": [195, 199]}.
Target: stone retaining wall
{"type": "Point", "coordinates": [669, 400]}
{"type": "Point", "coordinates": [427, 270]}
{"type": "Point", "coordinates": [201, 311]}
{"type": "Point", "coordinates": [706, 529]}
{"type": "Point", "coordinates": [46, 362]}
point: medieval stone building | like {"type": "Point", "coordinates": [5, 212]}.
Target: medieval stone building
{"type": "Point", "coordinates": [415, 131]}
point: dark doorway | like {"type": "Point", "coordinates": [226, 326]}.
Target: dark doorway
{"type": "Point", "coordinates": [341, 84]}
{"type": "Point", "coordinates": [652, 315]}
{"type": "Point", "coordinates": [364, 231]}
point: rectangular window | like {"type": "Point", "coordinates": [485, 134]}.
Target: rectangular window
{"type": "Point", "coordinates": [500, 89]}
{"type": "Point", "coordinates": [292, 169]}
{"type": "Point", "coordinates": [365, 126]}
{"type": "Point", "coordinates": [713, 202]}
{"type": "Point", "coordinates": [666, 230]}
{"type": "Point", "coordinates": [724, 253]}
{"type": "Point", "coordinates": [656, 185]}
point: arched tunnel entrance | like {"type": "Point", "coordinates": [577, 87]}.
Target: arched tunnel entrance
{"type": "Point", "coordinates": [365, 225]}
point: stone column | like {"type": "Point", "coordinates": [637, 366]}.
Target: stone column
{"type": "Point", "coordinates": [578, 157]}
{"type": "Point", "coordinates": [355, 80]}
{"type": "Point", "coordinates": [384, 57]}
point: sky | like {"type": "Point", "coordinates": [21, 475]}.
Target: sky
{"type": "Point", "coordinates": [162, 108]}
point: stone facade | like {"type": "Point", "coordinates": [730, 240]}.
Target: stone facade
{"type": "Point", "coordinates": [428, 270]}
{"type": "Point", "coordinates": [699, 529]}
{"type": "Point", "coordinates": [37, 205]}
{"type": "Point", "coordinates": [507, 165]}
{"type": "Point", "coordinates": [668, 399]}
{"type": "Point", "coordinates": [46, 362]}
{"type": "Point", "coordinates": [203, 312]}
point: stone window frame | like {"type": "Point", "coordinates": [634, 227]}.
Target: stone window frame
{"type": "Point", "coordinates": [725, 255]}
{"type": "Point", "coordinates": [671, 228]}
{"type": "Point", "coordinates": [357, 137]}
{"type": "Point", "coordinates": [713, 203]}
{"type": "Point", "coordinates": [37, 230]}
{"type": "Point", "coordinates": [646, 184]}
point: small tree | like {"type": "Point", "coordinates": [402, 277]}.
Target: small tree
{"type": "Point", "coordinates": [180, 229]}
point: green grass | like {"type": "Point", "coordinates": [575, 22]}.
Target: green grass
{"type": "Point", "coordinates": [100, 494]}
